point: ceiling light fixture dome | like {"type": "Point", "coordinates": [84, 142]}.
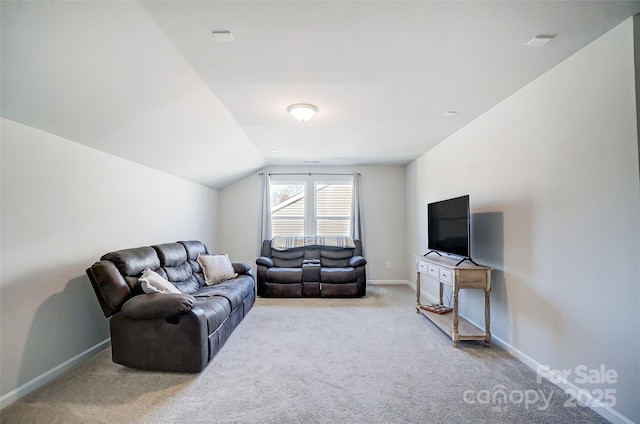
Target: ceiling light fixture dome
{"type": "Point", "coordinates": [302, 111]}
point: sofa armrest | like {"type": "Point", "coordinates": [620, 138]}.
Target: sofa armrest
{"type": "Point", "coordinates": [264, 261]}
{"type": "Point", "coordinates": [109, 285]}
{"type": "Point", "coordinates": [357, 261]}
{"type": "Point", "coordinates": [157, 305]}
{"type": "Point", "coordinates": [241, 267]}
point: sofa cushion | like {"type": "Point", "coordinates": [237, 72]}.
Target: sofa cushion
{"type": "Point", "coordinates": [173, 261]}
{"type": "Point", "coordinates": [284, 275]}
{"type": "Point", "coordinates": [181, 277]}
{"type": "Point", "coordinates": [234, 291]}
{"type": "Point", "coordinates": [189, 286]}
{"type": "Point", "coordinates": [171, 254]}
{"type": "Point", "coordinates": [152, 282]}
{"type": "Point", "coordinates": [182, 272]}
{"type": "Point", "coordinates": [194, 249]}
{"type": "Point", "coordinates": [338, 275]}
{"type": "Point", "coordinates": [216, 268]}
{"type": "Point", "coordinates": [131, 262]}
{"type": "Point", "coordinates": [335, 257]}
{"type": "Point", "coordinates": [291, 258]}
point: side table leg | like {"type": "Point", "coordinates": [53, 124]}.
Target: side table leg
{"type": "Point", "coordinates": [456, 335]}
{"type": "Point", "coordinates": [487, 319]}
{"type": "Point", "coordinates": [418, 292]}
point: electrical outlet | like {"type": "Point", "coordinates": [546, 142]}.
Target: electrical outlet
{"type": "Point", "coordinates": [388, 264]}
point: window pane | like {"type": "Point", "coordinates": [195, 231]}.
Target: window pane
{"type": "Point", "coordinates": [287, 209]}
{"type": "Point", "coordinates": [333, 200]}
{"type": "Point", "coordinates": [292, 209]}
{"type": "Point", "coordinates": [287, 200]}
{"type": "Point", "coordinates": [287, 227]}
{"type": "Point", "coordinates": [333, 209]}
{"type": "Point", "coordinates": [334, 227]}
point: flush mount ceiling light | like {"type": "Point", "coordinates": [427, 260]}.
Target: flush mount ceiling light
{"type": "Point", "coordinates": [302, 111]}
{"type": "Point", "coordinates": [540, 40]}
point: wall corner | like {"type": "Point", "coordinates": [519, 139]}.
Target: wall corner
{"type": "Point", "coordinates": [636, 55]}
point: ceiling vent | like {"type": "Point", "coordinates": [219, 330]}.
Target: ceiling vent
{"type": "Point", "coordinates": [540, 40]}
{"type": "Point", "coordinates": [222, 35]}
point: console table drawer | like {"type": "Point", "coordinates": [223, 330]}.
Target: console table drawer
{"type": "Point", "coordinates": [422, 267]}
{"type": "Point", "coordinates": [433, 271]}
{"type": "Point", "coordinates": [445, 275]}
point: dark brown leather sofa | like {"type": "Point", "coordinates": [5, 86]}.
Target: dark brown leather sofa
{"type": "Point", "coordinates": [311, 271]}
{"type": "Point", "coordinates": [169, 332]}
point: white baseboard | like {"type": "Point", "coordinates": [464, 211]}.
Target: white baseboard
{"type": "Point", "coordinates": [52, 374]}
{"type": "Point", "coordinates": [374, 282]}
{"type": "Point", "coordinates": [603, 410]}
{"type": "Point", "coordinates": [594, 404]}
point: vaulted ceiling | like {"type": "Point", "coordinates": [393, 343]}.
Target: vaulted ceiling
{"type": "Point", "coordinates": [147, 81]}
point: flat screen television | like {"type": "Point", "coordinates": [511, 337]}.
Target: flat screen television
{"type": "Point", "coordinates": [449, 226]}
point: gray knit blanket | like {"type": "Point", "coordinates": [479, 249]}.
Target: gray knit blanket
{"type": "Point", "coordinates": [291, 242]}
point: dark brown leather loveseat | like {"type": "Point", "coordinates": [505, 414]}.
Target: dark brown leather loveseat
{"type": "Point", "coordinates": [311, 271]}
{"type": "Point", "coordinates": [169, 332]}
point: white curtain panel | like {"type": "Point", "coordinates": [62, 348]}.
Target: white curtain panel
{"type": "Point", "coordinates": [356, 213]}
{"type": "Point", "coordinates": [265, 225]}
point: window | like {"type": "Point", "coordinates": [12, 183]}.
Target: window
{"type": "Point", "coordinates": [310, 207]}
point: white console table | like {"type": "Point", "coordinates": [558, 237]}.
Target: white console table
{"type": "Point", "coordinates": [466, 275]}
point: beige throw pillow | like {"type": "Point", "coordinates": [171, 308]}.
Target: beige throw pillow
{"type": "Point", "coordinates": [152, 282]}
{"type": "Point", "coordinates": [216, 268]}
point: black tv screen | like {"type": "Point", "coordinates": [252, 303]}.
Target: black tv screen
{"type": "Point", "coordinates": [449, 227]}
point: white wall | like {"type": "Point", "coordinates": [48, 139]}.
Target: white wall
{"type": "Point", "coordinates": [63, 206]}
{"type": "Point", "coordinates": [553, 176]}
{"type": "Point", "coordinates": [383, 192]}
{"type": "Point", "coordinates": [636, 48]}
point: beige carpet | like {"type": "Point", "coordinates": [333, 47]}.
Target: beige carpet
{"type": "Point", "coordinates": [370, 360]}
